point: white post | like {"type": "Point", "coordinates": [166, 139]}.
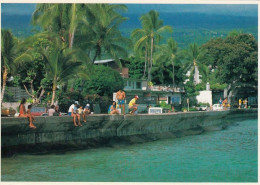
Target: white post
{"type": "Point", "coordinates": [188, 102]}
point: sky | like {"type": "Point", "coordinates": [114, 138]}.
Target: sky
{"type": "Point", "coordinates": [220, 9]}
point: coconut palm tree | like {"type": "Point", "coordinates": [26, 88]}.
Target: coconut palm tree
{"type": "Point", "coordinates": [167, 56]}
{"type": "Point", "coordinates": [61, 65]}
{"type": "Point", "coordinates": [59, 18]}
{"type": "Point", "coordinates": [7, 57]}
{"type": "Point", "coordinates": [193, 57]}
{"type": "Point", "coordinates": [102, 37]}
{"type": "Point", "coordinates": [149, 35]}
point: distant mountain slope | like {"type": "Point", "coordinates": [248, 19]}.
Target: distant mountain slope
{"type": "Point", "coordinates": [197, 20]}
{"type": "Point", "coordinates": [188, 27]}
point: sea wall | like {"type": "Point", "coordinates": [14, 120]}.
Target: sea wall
{"type": "Point", "coordinates": [58, 133]}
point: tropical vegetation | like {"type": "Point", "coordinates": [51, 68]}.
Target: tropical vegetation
{"type": "Point", "coordinates": [57, 62]}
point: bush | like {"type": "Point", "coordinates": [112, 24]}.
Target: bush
{"type": "Point", "coordinates": [203, 104]}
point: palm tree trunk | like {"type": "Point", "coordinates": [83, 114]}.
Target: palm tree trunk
{"type": "Point", "coordinates": [72, 25]}
{"type": "Point", "coordinates": [173, 79]}
{"type": "Point", "coordinates": [151, 62]}
{"type": "Point", "coordinates": [4, 83]}
{"type": "Point", "coordinates": [145, 60]}
{"type": "Point", "coordinates": [71, 38]}
{"type": "Point", "coordinates": [54, 87]}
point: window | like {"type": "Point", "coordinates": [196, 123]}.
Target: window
{"type": "Point", "coordinates": [138, 85]}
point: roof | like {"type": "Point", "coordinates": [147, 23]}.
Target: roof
{"type": "Point", "coordinates": [103, 61]}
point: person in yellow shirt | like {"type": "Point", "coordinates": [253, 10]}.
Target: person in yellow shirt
{"type": "Point", "coordinates": [239, 103]}
{"type": "Point", "coordinates": [132, 105]}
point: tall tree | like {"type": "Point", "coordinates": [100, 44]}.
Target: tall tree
{"type": "Point", "coordinates": [167, 55]}
{"type": "Point", "coordinates": [102, 35]}
{"type": "Point", "coordinates": [62, 19]}
{"type": "Point", "coordinates": [7, 57]}
{"type": "Point", "coordinates": [235, 58]}
{"type": "Point", "coordinates": [61, 65]}
{"type": "Point", "coordinates": [31, 67]}
{"type": "Point", "coordinates": [194, 56]}
{"type": "Point", "coordinates": [149, 35]}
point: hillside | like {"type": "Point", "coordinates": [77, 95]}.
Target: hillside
{"type": "Point", "coordinates": [188, 27]}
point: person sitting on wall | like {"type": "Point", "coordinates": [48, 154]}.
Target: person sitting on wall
{"type": "Point", "coordinates": [73, 112]}
{"type": "Point", "coordinates": [56, 113]}
{"type": "Point", "coordinates": [79, 111]}
{"type": "Point", "coordinates": [23, 113]}
{"type": "Point", "coordinates": [86, 112]}
{"type": "Point", "coordinates": [132, 105]}
{"type": "Point", "coordinates": [112, 108]}
{"type": "Point", "coordinates": [51, 110]}
{"type": "Point", "coordinates": [30, 115]}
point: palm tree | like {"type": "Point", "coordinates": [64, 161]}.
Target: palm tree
{"type": "Point", "coordinates": [7, 56]}
{"type": "Point", "coordinates": [61, 65]}
{"type": "Point", "coordinates": [193, 56]}
{"type": "Point", "coordinates": [102, 36]}
{"type": "Point", "coordinates": [149, 35]}
{"type": "Point", "coordinates": [59, 18]}
{"type": "Point", "coordinates": [167, 55]}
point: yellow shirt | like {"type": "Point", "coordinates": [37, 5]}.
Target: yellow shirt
{"type": "Point", "coordinates": [132, 102]}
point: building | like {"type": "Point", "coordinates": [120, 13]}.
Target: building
{"type": "Point", "coordinates": [148, 95]}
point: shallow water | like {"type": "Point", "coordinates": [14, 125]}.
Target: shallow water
{"type": "Point", "coordinates": [221, 156]}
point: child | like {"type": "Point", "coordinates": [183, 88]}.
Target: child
{"type": "Point", "coordinates": [79, 112]}
{"type": "Point", "coordinates": [31, 118]}
{"type": "Point", "coordinates": [86, 112]}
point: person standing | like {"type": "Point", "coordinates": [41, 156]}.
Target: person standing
{"type": "Point", "coordinates": [220, 101]}
{"type": "Point", "coordinates": [245, 103]}
{"type": "Point", "coordinates": [132, 105]}
{"type": "Point", "coordinates": [120, 96]}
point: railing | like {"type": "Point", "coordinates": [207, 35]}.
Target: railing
{"type": "Point", "coordinates": [166, 88]}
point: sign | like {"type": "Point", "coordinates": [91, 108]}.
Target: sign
{"type": "Point", "coordinates": [162, 98]}
{"type": "Point", "coordinates": [155, 110]}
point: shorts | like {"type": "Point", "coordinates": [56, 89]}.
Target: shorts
{"type": "Point", "coordinates": [121, 102]}
{"type": "Point", "coordinates": [69, 113]}
{"type": "Point", "coordinates": [132, 107]}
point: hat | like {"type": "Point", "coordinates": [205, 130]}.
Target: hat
{"type": "Point", "coordinates": [87, 104]}
{"type": "Point", "coordinates": [136, 96]}
{"type": "Point", "coordinates": [76, 102]}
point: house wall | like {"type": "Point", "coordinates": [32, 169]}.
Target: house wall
{"type": "Point", "coordinates": [204, 97]}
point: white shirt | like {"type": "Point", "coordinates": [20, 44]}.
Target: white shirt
{"type": "Point", "coordinates": [50, 112]}
{"type": "Point", "coordinates": [71, 107]}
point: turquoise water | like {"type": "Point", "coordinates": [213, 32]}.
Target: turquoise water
{"type": "Point", "coordinates": [220, 156]}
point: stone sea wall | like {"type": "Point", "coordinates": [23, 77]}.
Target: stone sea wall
{"type": "Point", "coordinates": [59, 134]}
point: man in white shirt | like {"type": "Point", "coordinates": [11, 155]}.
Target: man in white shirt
{"type": "Point", "coordinates": [72, 108]}
{"type": "Point", "coordinates": [73, 112]}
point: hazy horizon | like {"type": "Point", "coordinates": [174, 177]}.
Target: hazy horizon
{"type": "Point", "coordinates": [211, 9]}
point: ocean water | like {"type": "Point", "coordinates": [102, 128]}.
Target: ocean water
{"type": "Point", "coordinates": [219, 156]}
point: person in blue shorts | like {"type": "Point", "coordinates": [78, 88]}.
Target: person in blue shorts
{"type": "Point", "coordinates": [120, 96]}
